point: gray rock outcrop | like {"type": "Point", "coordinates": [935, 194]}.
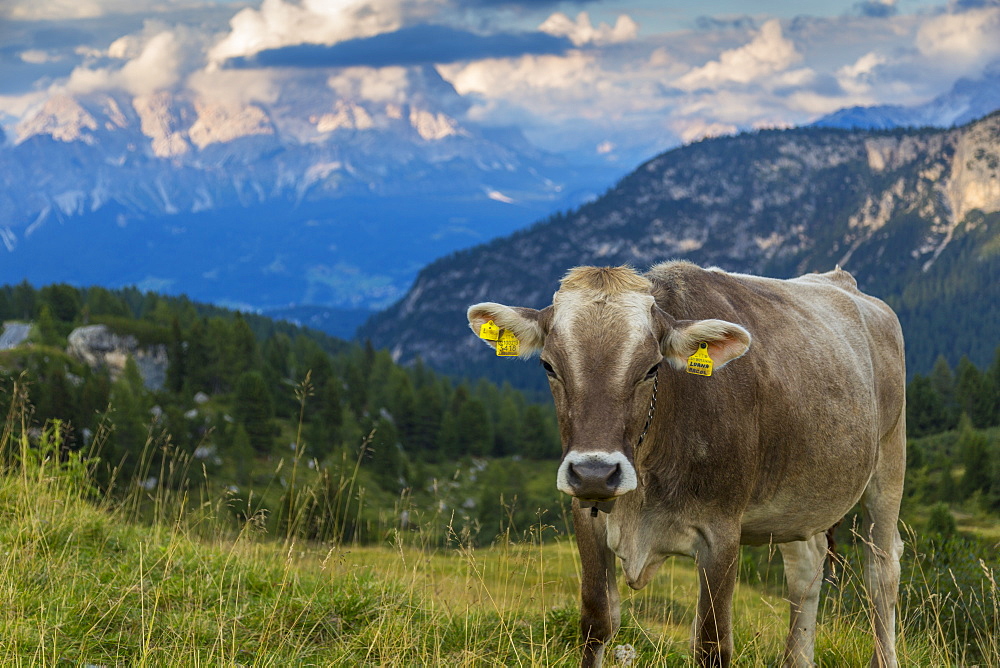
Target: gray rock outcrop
{"type": "Point", "coordinates": [100, 348]}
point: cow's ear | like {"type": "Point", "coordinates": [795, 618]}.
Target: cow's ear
{"type": "Point", "coordinates": [726, 341]}
{"type": "Point", "coordinates": [527, 324]}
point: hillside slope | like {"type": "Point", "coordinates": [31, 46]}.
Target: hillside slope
{"type": "Point", "coordinates": [913, 214]}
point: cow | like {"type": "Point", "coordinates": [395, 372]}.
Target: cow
{"type": "Point", "coordinates": [800, 416]}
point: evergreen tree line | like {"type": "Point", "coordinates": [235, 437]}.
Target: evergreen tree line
{"type": "Point", "coordinates": [935, 402]}
{"type": "Point", "coordinates": [955, 457]}
{"type": "Point", "coordinates": [235, 390]}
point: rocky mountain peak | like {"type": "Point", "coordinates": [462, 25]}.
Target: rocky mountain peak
{"type": "Point", "coordinates": [905, 211]}
{"type": "Point", "coordinates": [63, 118]}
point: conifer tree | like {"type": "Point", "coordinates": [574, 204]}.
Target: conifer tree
{"type": "Point", "coordinates": [943, 382]}
{"type": "Point", "coordinates": [48, 332]}
{"type": "Point", "coordinates": [973, 450]}
{"type": "Point", "coordinates": [244, 345]}
{"type": "Point", "coordinates": [925, 410]}
{"type": "Point", "coordinates": [253, 408]}
{"type": "Point", "coordinates": [63, 300]}
{"type": "Point", "coordinates": [199, 364]}
{"type": "Point", "coordinates": [23, 300]}
{"type": "Point", "coordinates": [129, 405]}
{"type": "Point", "coordinates": [176, 358]}
{"type": "Point", "coordinates": [971, 395]}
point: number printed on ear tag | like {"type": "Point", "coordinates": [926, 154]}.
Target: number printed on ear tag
{"type": "Point", "coordinates": [489, 331]}
{"type": "Point", "coordinates": [508, 345]}
{"type": "Point", "coordinates": [700, 363]}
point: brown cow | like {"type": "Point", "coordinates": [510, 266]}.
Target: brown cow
{"type": "Point", "coordinates": [775, 446]}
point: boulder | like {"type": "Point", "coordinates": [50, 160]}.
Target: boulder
{"type": "Point", "coordinates": [100, 348]}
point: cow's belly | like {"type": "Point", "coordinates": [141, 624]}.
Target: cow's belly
{"type": "Point", "coordinates": [791, 517]}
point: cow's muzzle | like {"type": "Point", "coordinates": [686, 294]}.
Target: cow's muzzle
{"type": "Point", "coordinates": [596, 476]}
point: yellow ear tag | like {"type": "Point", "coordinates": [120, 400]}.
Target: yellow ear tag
{"type": "Point", "coordinates": [489, 331]}
{"type": "Point", "coordinates": [508, 345]}
{"type": "Point", "coordinates": [700, 363]}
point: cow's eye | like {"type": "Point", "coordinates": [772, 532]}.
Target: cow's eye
{"type": "Point", "coordinates": [651, 374]}
{"type": "Point", "coordinates": [548, 369]}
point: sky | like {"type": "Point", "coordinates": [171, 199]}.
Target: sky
{"type": "Point", "coordinates": [598, 77]}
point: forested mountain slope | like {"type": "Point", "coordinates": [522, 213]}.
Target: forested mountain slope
{"type": "Point", "coordinates": [913, 214]}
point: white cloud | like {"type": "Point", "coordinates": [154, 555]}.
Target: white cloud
{"type": "Point", "coordinates": [235, 88]}
{"type": "Point", "coordinates": [58, 10]}
{"type": "Point", "coordinates": [857, 78]}
{"type": "Point", "coordinates": [582, 31]}
{"type": "Point", "coordinates": [32, 10]}
{"type": "Point", "coordinates": [159, 57]}
{"type": "Point", "coordinates": [962, 40]}
{"type": "Point", "coordinates": [155, 67]}
{"type": "Point", "coordinates": [279, 23]}
{"type": "Point", "coordinates": [767, 54]}
{"type": "Point", "coordinates": [693, 129]}
{"type": "Point", "coordinates": [38, 56]}
{"type": "Point", "coordinates": [386, 85]}
{"type": "Point", "coordinates": [18, 106]}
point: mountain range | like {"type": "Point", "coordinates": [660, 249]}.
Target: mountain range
{"type": "Point", "coordinates": [312, 198]}
{"type": "Point", "coordinates": [966, 101]}
{"type": "Point", "coordinates": [913, 214]}
{"type": "Point", "coordinates": [322, 208]}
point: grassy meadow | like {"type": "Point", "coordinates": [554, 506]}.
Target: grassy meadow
{"type": "Point", "coordinates": [162, 579]}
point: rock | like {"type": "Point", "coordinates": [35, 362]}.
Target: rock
{"type": "Point", "coordinates": [100, 348]}
{"type": "Point", "coordinates": [13, 334]}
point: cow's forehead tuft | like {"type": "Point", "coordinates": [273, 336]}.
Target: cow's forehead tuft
{"type": "Point", "coordinates": [608, 281]}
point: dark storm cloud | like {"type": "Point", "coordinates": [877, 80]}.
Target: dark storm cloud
{"type": "Point", "coordinates": [875, 10]}
{"type": "Point", "coordinates": [416, 45]}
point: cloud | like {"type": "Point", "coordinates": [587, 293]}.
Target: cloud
{"type": "Point", "coordinates": [523, 5]}
{"type": "Point", "coordinates": [416, 45]}
{"type": "Point", "coordinates": [767, 54]}
{"type": "Point", "coordinates": [582, 31]}
{"type": "Point", "coordinates": [158, 58]}
{"type": "Point", "coordinates": [876, 9]}
{"type": "Point", "coordinates": [962, 40]}
{"type": "Point", "coordinates": [58, 10]}
{"type": "Point", "coordinates": [279, 23]}
{"type": "Point", "coordinates": [154, 68]}
{"type": "Point", "coordinates": [571, 83]}
{"type": "Point", "coordinates": [858, 77]}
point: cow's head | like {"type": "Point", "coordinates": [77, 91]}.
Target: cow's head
{"type": "Point", "coordinates": [603, 342]}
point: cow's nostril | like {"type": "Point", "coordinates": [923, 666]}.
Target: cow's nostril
{"type": "Point", "coordinates": [572, 476]}
{"type": "Point", "coordinates": [615, 477]}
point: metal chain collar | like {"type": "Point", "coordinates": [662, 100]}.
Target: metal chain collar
{"type": "Point", "coordinates": [649, 417]}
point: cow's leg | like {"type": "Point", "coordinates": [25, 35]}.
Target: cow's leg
{"type": "Point", "coordinates": [803, 562]}
{"type": "Point", "coordinates": [713, 624]}
{"type": "Point", "coordinates": [600, 605]}
{"type": "Point", "coordinates": [883, 546]}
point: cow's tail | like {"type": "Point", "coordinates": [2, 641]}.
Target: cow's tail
{"type": "Point", "coordinates": [833, 560]}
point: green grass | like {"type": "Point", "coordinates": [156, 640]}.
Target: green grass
{"type": "Point", "coordinates": [84, 581]}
